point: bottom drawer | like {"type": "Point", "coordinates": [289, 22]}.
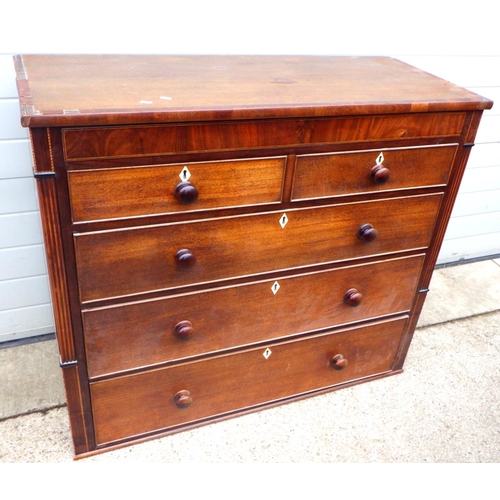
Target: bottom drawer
{"type": "Point", "coordinates": [137, 404]}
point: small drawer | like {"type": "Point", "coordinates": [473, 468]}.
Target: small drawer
{"type": "Point", "coordinates": [140, 334]}
{"type": "Point", "coordinates": [337, 174]}
{"type": "Point", "coordinates": [131, 261]}
{"type": "Point", "coordinates": [137, 191]}
{"type": "Point", "coordinates": [244, 380]}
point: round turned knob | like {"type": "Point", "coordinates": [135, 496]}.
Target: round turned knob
{"type": "Point", "coordinates": [185, 259]}
{"type": "Point", "coordinates": [338, 362]}
{"type": "Point", "coordinates": [184, 330]}
{"type": "Point", "coordinates": [183, 399]}
{"type": "Point", "coordinates": [380, 174]}
{"type": "Point", "coordinates": [367, 233]}
{"type": "Point", "coordinates": [352, 297]}
{"type": "Point", "coordinates": [186, 193]}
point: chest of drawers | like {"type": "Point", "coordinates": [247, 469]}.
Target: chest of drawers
{"type": "Point", "coordinates": [224, 234]}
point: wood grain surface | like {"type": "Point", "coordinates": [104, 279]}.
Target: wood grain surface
{"type": "Point", "coordinates": [82, 89]}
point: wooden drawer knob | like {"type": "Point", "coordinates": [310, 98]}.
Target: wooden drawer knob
{"type": "Point", "coordinates": [185, 259]}
{"type": "Point", "coordinates": [352, 297]}
{"type": "Point", "coordinates": [184, 330]}
{"type": "Point", "coordinates": [380, 174]}
{"type": "Point", "coordinates": [183, 399]}
{"type": "Point", "coordinates": [186, 193]}
{"type": "Point", "coordinates": [338, 362]}
{"type": "Point", "coordinates": [367, 233]}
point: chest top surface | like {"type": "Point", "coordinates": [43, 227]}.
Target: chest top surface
{"type": "Point", "coordinates": [77, 90]}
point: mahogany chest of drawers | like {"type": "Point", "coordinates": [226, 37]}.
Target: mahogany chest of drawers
{"type": "Point", "coordinates": [224, 234]}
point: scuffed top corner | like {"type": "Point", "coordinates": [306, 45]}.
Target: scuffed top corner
{"type": "Point", "coordinates": [25, 99]}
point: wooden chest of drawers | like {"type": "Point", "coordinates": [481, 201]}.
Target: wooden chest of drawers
{"type": "Point", "coordinates": [229, 233]}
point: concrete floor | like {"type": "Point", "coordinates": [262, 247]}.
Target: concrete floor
{"type": "Point", "coordinates": [445, 407]}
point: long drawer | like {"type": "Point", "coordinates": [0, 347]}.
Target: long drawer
{"type": "Point", "coordinates": [135, 335]}
{"type": "Point", "coordinates": [100, 194]}
{"type": "Point", "coordinates": [150, 140]}
{"type": "Point", "coordinates": [336, 174]}
{"type": "Point", "coordinates": [194, 391]}
{"type": "Point", "coordinates": [131, 261]}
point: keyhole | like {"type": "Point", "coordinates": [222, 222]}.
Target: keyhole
{"type": "Point", "coordinates": [283, 220]}
{"type": "Point", "coordinates": [185, 174]}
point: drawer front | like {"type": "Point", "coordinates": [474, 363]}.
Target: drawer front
{"type": "Point", "coordinates": [150, 140]}
{"type": "Point", "coordinates": [130, 336]}
{"type": "Point", "coordinates": [136, 191]}
{"type": "Point", "coordinates": [337, 174]}
{"type": "Point", "coordinates": [125, 262]}
{"type": "Point", "coordinates": [240, 381]}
